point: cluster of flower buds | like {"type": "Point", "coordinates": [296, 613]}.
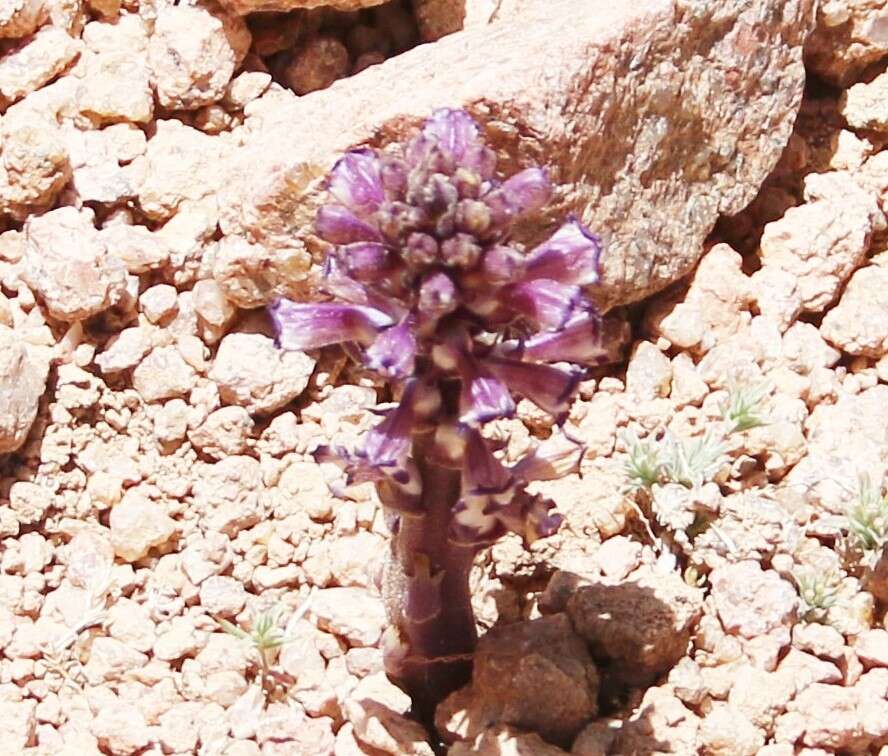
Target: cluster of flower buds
{"type": "Point", "coordinates": [428, 290]}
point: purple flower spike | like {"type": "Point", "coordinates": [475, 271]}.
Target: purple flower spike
{"type": "Point", "coordinates": [433, 291]}
{"type": "Point", "coordinates": [356, 181]}
{"type": "Point", "coordinates": [309, 326]}
{"type": "Point", "coordinates": [547, 387]}
{"type": "Point", "coordinates": [548, 303]}
{"type": "Point", "coordinates": [393, 354]}
{"type": "Point", "coordinates": [571, 256]}
{"type": "Point", "coordinates": [339, 225]}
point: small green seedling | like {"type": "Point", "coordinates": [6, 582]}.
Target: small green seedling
{"type": "Point", "coordinates": [266, 634]}
{"type": "Point", "coordinates": [868, 517]}
{"type": "Point", "coordinates": [743, 408]}
{"type": "Point", "coordinates": [818, 590]}
{"type": "Point", "coordinates": [643, 466]}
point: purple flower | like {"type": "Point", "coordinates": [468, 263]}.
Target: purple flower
{"type": "Point", "coordinates": [431, 291]}
{"type": "Point", "coordinates": [309, 326]}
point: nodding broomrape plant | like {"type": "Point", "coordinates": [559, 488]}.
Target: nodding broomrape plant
{"type": "Point", "coordinates": [428, 290]}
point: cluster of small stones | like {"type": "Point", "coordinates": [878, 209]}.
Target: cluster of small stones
{"type": "Point", "coordinates": [307, 50]}
{"type": "Point", "coordinates": [164, 479]}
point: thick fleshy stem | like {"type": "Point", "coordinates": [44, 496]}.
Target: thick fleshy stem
{"type": "Point", "coordinates": [426, 587]}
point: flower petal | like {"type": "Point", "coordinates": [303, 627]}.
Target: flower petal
{"type": "Point", "coordinates": [527, 191]}
{"type": "Point", "coordinates": [483, 473]}
{"type": "Point", "coordinates": [438, 296]}
{"type": "Point", "coordinates": [531, 517]}
{"type": "Point", "coordinates": [571, 256]}
{"type": "Point", "coordinates": [309, 326]}
{"type": "Point", "coordinates": [578, 341]}
{"type": "Point", "coordinates": [455, 132]}
{"type": "Point", "coordinates": [393, 354]}
{"type": "Point", "coordinates": [339, 225]}
{"type": "Point", "coordinates": [547, 387]}
{"type": "Point", "coordinates": [548, 303]}
{"type": "Point", "coordinates": [356, 181]}
{"type": "Point", "coordinates": [483, 397]}
{"type": "Point", "coordinates": [365, 261]}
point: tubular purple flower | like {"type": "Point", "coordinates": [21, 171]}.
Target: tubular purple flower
{"type": "Point", "coordinates": [438, 296]}
{"type": "Point", "coordinates": [571, 256]}
{"type": "Point", "coordinates": [483, 473]}
{"type": "Point", "coordinates": [356, 181]}
{"type": "Point", "coordinates": [547, 387]}
{"type": "Point", "coordinates": [310, 326]}
{"type": "Point", "coordinates": [530, 516]}
{"type": "Point", "coordinates": [527, 191]}
{"type": "Point", "coordinates": [547, 303]}
{"type": "Point", "coordinates": [483, 397]}
{"type": "Point", "coordinates": [502, 264]}
{"type": "Point", "coordinates": [364, 261]}
{"type": "Point", "coordinates": [339, 225]}
{"type": "Point", "coordinates": [393, 354]}
{"type": "Point", "coordinates": [454, 132]}
{"type": "Point", "coordinates": [579, 341]}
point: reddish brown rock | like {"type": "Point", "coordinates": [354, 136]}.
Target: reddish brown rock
{"type": "Point", "coordinates": [649, 114]}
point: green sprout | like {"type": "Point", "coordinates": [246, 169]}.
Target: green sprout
{"type": "Point", "coordinates": [266, 634]}
{"type": "Point", "coordinates": [818, 590]}
{"type": "Point", "coordinates": [693, 462]}
{"type": "Point", "coordinates": [643, 467]}
{"type": "Point", "coordinates": [868, 517]}
{"type": "Point", "coordinates": [743, 408]}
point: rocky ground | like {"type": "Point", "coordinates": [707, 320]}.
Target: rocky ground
{"type": "Point", "coordinates": [721, 581]}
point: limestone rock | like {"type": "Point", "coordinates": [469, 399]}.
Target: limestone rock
{"type": "Point", "coordinates": [163, 374]}
{"type": "Point", "coordinates": [858, 325]}
{"type": "Point", "coordinates": [22, 382]}
{"type": "Point", "coordinates": [752, 602]}
{"type": "Point", "coordinates": [623, 72]}
{"type": "Point", "coordinates": [845, 439]}
{"type": "Point", "coordinates": [137, 525]}
{"type": "Point", "coordinates": [183, 164]}
{"type": "Point", "coordinates": [640, 625]}
{"type": "Point", "coordinates": [67, 264]}
{"type": "Point", "coordinates": [726, 732]}
{"type": "Point", "coordinates": [850, 35]}
{"type": "Point", "coordinates": [252, 373]}
{"type": "Point", "coordinates": [33, 164]}
{"type": "Point", "coordinates": [863, 105]}
{"type": "Point", "coordinates": [32, 65]}
{"type": "Point", "coordinates": [350, 612]}
{"type": "Point", "coordinates": [19, 18]}
{"type": "Point", "coordinates": [809, 253]}
{"type": "Point", "coordinates": [251, 6]}
{"type": "Point", "coordinates": [536, 675]}
{"type": "Point", "coordinates": [193, 53]}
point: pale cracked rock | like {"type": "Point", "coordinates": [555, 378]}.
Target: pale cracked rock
{"type": "Point", "coordinates": [251, 6]}
{"type": "Point", "coordinates": [649, 373]}
{"type": "Point", "coordinates": [183, 165]}
{"type": "Point", "coordinates": [22, 382]}
{"type": "Point", "coordinates": [223, 596]}
{"type": "Point", "coordinates": [864, 105]}
{"type": "Point", "coordinates": [69, 266]}
{"type": "Point", "coordinates": [714, 307]}
{"type": "Point", "coordinates": [726, 732]}
{"type": "Point", "coordinates": [137, 525]}
{"type": "Point", "coordinates": [850, 35]}
{"type": "Point", "coordinates": [623, 72]}
{"type": "Point", "coordinates": [377, 711]}
{"type": "Point", "coordinates": [858, 325]}
{"type": "Point", "coordinates": [18, 18]}
{"type": "Point", "coordinates": [254, 374]}
{"type": "Point", "coordinates": [225, 432]}
{"type": "Point", "coordinates": [19, 725]}
{"type": "Point", "coordinates": [640, 625]}
{"type": "Point", "coordinates": [872, 648]}
{"type": "Point", "coordinates": [163, 374]}
{"type": "Point", "coordinates": [836, 718]}
{"type": "Point", "coordinates": [536, 675]}
{"type": "Point", "coordinates": [137, 247]}
{"type": "Point", "coordinates": [125, 350]}
{"type": "Point", "coordinates": [350, 612]}
{"type": "Point", "coordinates": [114, 86]}
{"type": "Point", "coordinates": [845, 439]}
{"type": "Point", "coordinates": [193, 53]}
{"type": "Point", "coordinates": [34, 164]}
{"type": "Point", "coordinates": [120, 728]}
{"type": "Point", "coordinates": [32, 65]}
{"type": "Point", "coordinates": [809, 253]}
{"type": "Point", "coordinates": [751, 602]}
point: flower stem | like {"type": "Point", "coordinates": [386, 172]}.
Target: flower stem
{"type": "Point", "coordinates": [427, 593]}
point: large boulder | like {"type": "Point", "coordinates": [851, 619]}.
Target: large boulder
{"type": "Point", "coordinates": [654, 117]}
